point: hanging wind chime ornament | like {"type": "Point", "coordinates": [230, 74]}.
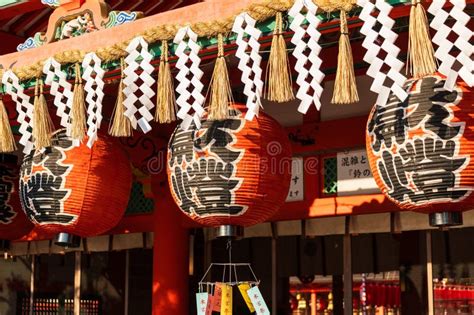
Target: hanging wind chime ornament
{"type": "Point", "coordinates": [224, 173]}
{"type": "Point", "coordinates": [75, 191]}
{"type": "Point", "coordinates": [421, 150]}
{"type": "Point", "coordinates": [13, 222]}
{"type": "Point", "coordinates": [217, 296]}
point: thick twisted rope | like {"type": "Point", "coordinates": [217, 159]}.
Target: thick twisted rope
{"type": "Point", "coordinates": [259, 11]}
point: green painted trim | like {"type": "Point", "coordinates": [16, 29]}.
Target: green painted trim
{"type": "Point", "coordinates": [266, 27]}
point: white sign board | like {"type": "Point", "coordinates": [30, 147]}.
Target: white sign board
{"type": "Point", "coordinates": [296, 192]}
{"type": "Point", "coordinates": [353, 174]}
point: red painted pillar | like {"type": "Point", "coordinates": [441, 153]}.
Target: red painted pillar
{"type": "Point", "coordinates": [170, 262]}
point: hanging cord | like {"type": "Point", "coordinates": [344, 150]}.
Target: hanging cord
{"type": "Point", "coordinates": [278, 86]}
{"type": "Point", "coordinates": [229, 250]}
{"type": "Point", "coordinates": [220, 90]}
{"type": "Point", "coordinates": [165, 101]}
{"type": "Point", "coordinates": [78, 111]}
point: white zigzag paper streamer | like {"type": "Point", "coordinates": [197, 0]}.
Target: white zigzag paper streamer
{"type": "Point", "coordinates": [307, 51]}
{"type": "Point", "coordinates": [93, 76]}
{"type": "Point", "coordinates": [24, 107]}
{"type": "Point", "coordinates": [247, 37]}
{"type": "Point", "coordinates": [374, 46]}
{"type": "Point", "coordinates": [138, 59]}
{"type": "Point", "coordinates": [449, 61]}
{"type": "Point", "coordinates": [189, 89]}
{"type": "Point", "coordinates": [60, 89]}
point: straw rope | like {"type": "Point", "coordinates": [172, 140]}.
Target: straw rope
{"type": "Point", "coordinates": [260, 11]}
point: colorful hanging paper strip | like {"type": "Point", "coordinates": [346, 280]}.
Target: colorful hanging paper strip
{"type": "Point", "coordinates": [377, 41]}
{"type": "Point", "coordinates": [189, 89]}
{"type": "Point", "coordinates": [94, 88]}
{"type": "Point", "coordinates": [243, 288]}
{"type": "Point", "coordinates": [258, 302]}
{"type": "Point", "coordinates": [455, 57]}
{"type": "Point", "coordinates": [24, 107]}
{"type": "Point", "coordinates": [217, 298]}
{"type": "Point", "coordinates": [226, 304]}
{"type": "Point", "coordinates": [61, 89]}
{"type": "Point", "coordinates": [203, 305]}
{"type": "Point", "coordinates": [139, 68]}
{"type": "Point", "coordinates": [249, 61]}
{"type": "Point", "coordinates": [306, 52]}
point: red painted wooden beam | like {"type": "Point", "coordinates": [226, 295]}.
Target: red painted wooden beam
{"type": "Point", "coordinates": [20, 8]}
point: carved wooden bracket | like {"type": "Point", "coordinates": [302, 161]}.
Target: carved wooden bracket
{"type": "Point", "coordinates": [72, 18]}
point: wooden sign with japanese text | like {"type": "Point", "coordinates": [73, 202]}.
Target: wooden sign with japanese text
{"type": "Point", "coordinates": [353, 174]}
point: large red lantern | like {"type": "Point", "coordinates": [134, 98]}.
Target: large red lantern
{"type": "Point", "coordinates": [75, 191]}
{"type": "Point", "coordinates": [13, 222]}
{"type": "Point", "coordinates": [421, 150]}
{"type": "Point", "coordinates": [230, 173]}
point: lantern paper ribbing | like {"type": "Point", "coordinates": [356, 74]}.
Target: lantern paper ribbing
{"type": "Point", "coordinates": [393, 80]}
{"type": "Point", "coordinates": [94, 87]}
{"type": "Point", "coordinates": [449, 61]}
{"type": "Point", "coordinates": [421, 151]}
{"type": "Point", "coordinates": [307, 50]}
{"type": "Point", "coordinates": [75, 189]}
{"type": "Point", "coordinates": [138, 60]}
{"type": "Point", "coordinates": [249, 62]}
{"type": "Point", "coordinates": [13, 221]}
{"type": "Point", "coordinates": [24, 107]}
{"type": "Point", "coordinates": [225, 172]}
{"type": "Point", "coordinates": [60, 89]}
{"type": "Point", "coordinates": [189, 90]}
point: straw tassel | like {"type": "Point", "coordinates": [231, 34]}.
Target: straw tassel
{"type": "Point", "coordinates": [166, 102]}
{"type": "Point", "coordinates": [7, 142]}
{"type": "Point", "coordinates": [421, 58]}
{"type": "Point", "coordinates": [120, 125]}
{"type": "Point", "coordinates": [221, 92]}
{"type": "Point", "coordinates": [42, 124]}
{"type": "Point", "coordinates": [78, 110]}
{"type": "Point", "coordinates": [345, 87]}
{"type": "Point", "coordinates": [279, 84]}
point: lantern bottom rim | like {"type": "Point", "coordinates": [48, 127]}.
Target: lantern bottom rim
{"type": "Point", "coordinates": [67, 240]}
{"type": "Point", "coordinates": [230, 231]}
{"type": "Point", "coordinates": [445, 219]}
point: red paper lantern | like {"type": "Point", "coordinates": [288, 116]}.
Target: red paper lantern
{"type": "Point", "coordinates": [76, 190]}
{"type": "Point", "coordinates": [13, 222]}
{"type": "Point", "coordinates": [421, 151]}
{"type": "Point", "coordinates": [232, 172]}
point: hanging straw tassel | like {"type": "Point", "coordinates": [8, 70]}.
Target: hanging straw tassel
{"type": "Point", "coordinates": [78, 110]}
{"type": "Point", "coordinates": [42, 124]}
{"type": "Point", "coordinates": [120, 125]}
{"type": "Point", "coordinates": [345, 87]}
{"type": "Point", "coordinates": [221, 92]}
{"type": "Point", "coordinates": [421, 58]}
{"type": "Point", "coordinates": [166, 102]}
{"type": "Point", "coordinates": [7, 142]}
{"type": "Point", "coordinates": [279, 83]}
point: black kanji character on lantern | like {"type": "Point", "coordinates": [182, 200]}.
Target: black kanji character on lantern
{"type": "Point", "coordinates": [43, 192]}
{"type": "Point", "coordinates": [42, 196]}
{"type": "Point", "coordinates": [6, 188]}
{"type": "Point", "coordinates": [388, 123]}
{"type": "Point", "coordinates": [425, 170]}
{"type": "Point", "coordinates": [217, 137]}
{"type": "Point", "coordinates": [181, 148]}
{"type": "Point", "coordinates": [202, 168]}
{"type": "Point", "coordinates": [430, 99]}
{"type": "Point", "coordinates": [424, 107]}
